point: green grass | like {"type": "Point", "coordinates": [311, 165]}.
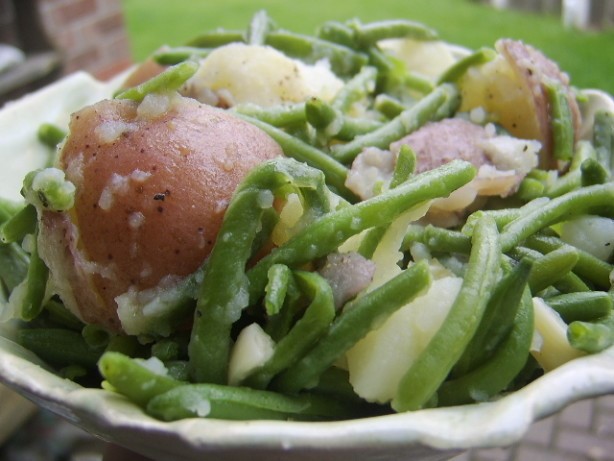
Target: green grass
{"type": "Point", "coordinates": [587, 56]}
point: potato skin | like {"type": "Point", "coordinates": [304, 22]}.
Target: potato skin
{"type": "Point", "coordinates": [151, 195]}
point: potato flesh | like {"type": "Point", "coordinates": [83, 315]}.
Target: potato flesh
{"type": "Point", "coordinates": [511, 88]}
{"type": "Point", "coordinates": [498, 89]}
{"type": "Point", "coordinates": [152, 188]}
{"type": "Point", "coordinates": [261, 75]}
{"type": "Point", "coordinates": [378, 362]}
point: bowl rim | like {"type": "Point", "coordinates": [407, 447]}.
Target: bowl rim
{"type": "Point", "coordinates": [489, 424]}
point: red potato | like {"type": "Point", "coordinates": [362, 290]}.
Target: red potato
{"type": "Point", "coordinates": [512, 89]}
{"type": "Point", "coordinates": [152, 184]}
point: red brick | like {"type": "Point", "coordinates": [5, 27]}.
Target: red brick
{"type": "Point", "coordinates": [110, 24]}
{"type": "Point", "coordinates": [77, 9]}
{"type": "Point", "coordinates": [84, 60]}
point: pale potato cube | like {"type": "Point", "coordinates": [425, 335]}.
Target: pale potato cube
{"type": "Point", "coordinates": [378, 362]}
{"type": "Point", "coordinates": [554, 349]}
{"type": "Point", "coordinates": [251, 350]}
{"type": "Point", "coordinates": [261, 75]}
{"type": "Point", "coordinates": [430, 58]}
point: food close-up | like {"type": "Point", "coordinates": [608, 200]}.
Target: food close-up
{"type": "Point", "coordinates": [363, 223]}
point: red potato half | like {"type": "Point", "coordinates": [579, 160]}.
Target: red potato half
{"type": "Point", "coordinates": [512, 89]}
{"type": "Point", "coordinates": [152, 184]}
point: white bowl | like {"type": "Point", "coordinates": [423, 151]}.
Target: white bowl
{"type": "Point", "coordinates": [433, 434]}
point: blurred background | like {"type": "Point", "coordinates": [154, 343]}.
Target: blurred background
{"type": "Point", "coordinates": [42, 40]}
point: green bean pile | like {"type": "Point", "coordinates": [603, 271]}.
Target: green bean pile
{"type": "Point", "coordinates": [510, 253]}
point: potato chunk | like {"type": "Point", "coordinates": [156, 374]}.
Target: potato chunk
{"type": "Point", "coordinates": [511, 88]}
{"type": "Point", "coordinates": [152, 183]}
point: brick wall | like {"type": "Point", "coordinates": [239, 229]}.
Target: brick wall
{"type": "Point", "coordinates": [89, 34]}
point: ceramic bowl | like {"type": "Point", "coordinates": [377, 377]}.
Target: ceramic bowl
{"type": "Point", "coordinates": [433, 434]}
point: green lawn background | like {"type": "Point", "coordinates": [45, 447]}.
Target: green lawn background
{"type": "Point", "coordinates": [588, 56]}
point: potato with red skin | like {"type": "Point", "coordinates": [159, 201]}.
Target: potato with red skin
{"type": "Point", "coordinates": [152, 184]}
{"type": "Point", "coordinates": [512, 89]}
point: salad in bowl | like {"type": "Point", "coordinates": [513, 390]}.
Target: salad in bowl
{"type": "Point", "coordinates": [367, 242]}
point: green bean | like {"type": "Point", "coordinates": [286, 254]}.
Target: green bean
{"type": "Point", "coordinates": [561, 121]}
{"type": "Point", "coordinates": [500, 370]}
{"type": "Point", "coordinates": [8, 209]}
{"type": "Point", "coordinates": [337, 32]}
{"type": "Point", "coordinates": [321, 114]}
{"type": "Point", "coordinates": [61, 316]}
{"type": "Point", "coordinates": [179, 54]}
{"type": "Point", "coordinates": [35, 285]}
{"type": "Point", "coordinates": [170, 79]}
{"type": "Point", "coordinates": [335, 382]}
{"type": "Point", "coordinates": [331, 123]}
{"type": "Point", "coordinates": [459, 68]}
{"type": "Point", "coordinates": [178, 369]}
{"type": "Point", "coordinates": [565, 281]}
{"type": "Point", "coordinates": [425, 110]}
{"type": "Point", "coordinates": [279, 116]}
{"type": "Point", "coordinates": [343, 60]}
{"type": "Point", "coordinates": [387, 105]}
{"type": "Point", "coordinates": [353, 127]}
{"type": "Point", "coordinates": [359, 316]}
{"type": "Point", "coordinates": [126, 345]}
{"type": "Point", "coordinates": [132, 378]}
{"type": "Point", "coordinates": [502, 216]}
{"type": "Point", "coordinates": [371, 33]}
{"type": "Point", "coordinates": [304, 334]}
{"type": "Point", "coordinates": [241, 403]}
{"type": "Point", "coordinates": [14, 262]}
{"type": "Point", "coordinates": [404, 167]}
{"type": "Point", "coordinates": [420, 382]}
{"type": "Point", "coordinates": [582, 306]}
{"type": "Point", "coordinates": [225, 290]}
{"type": "Point", "coordinates": [592, 337]}
{"type": "Point", "coordinates": [588, 266]}
{"type": "Point", "coordinates": [438, 239]}
{"type": "Point", "coordinates": [326, 234]}
{"type": "Point", "coordinates": [416, 81]}
{"type": "Point", "coordinates": [357, 88]}
{"type": "Point", "coordinates": [551, 267]}
{"type": "Point", "coordinates": [584, 150]}
{"type": "Point", "coordinates": [73, 372]}
{"type": "Point", "coordinates": [498, 318]}
{"type": "Point", "coordinates": [50, 135]}
{"type": "Point", "coordinates": [334, 171]}
{"type": "Point", "coordinates": [166, 350]}
{"type": "Point", "coordinates": [393, 75]}
{"type": "Point", "coordinates": [277, 326]}
{"type": "Point", "coordinates": [593, 172]}
{"type": "Point", "coordinates": [18, 226]}
{"type": "Point", "coordinates": [95, 336]}
{"type": "Point", "coordinates": [259, 27]}
{"type": "Point", "coordinates": [276, 288]}
{"type": "Point", "coordinates": [371, 240]}
{"type": "Point", "coordinates": [216, 38]}
{"type": "Point", "coordinates": [59, 347]}
{"type": "Point", "coordinates": [583, 201]}
{"type": "Point", "coordinates": [49, 189]}
{"type": "Point", "coordinates": [603, 138]}
{"type": "Point", "coordinates": [530, 189]}
{"type": "Point", "coordinates": [568, 182]}
{"type": "Point", "coordinates": [403, 170]}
